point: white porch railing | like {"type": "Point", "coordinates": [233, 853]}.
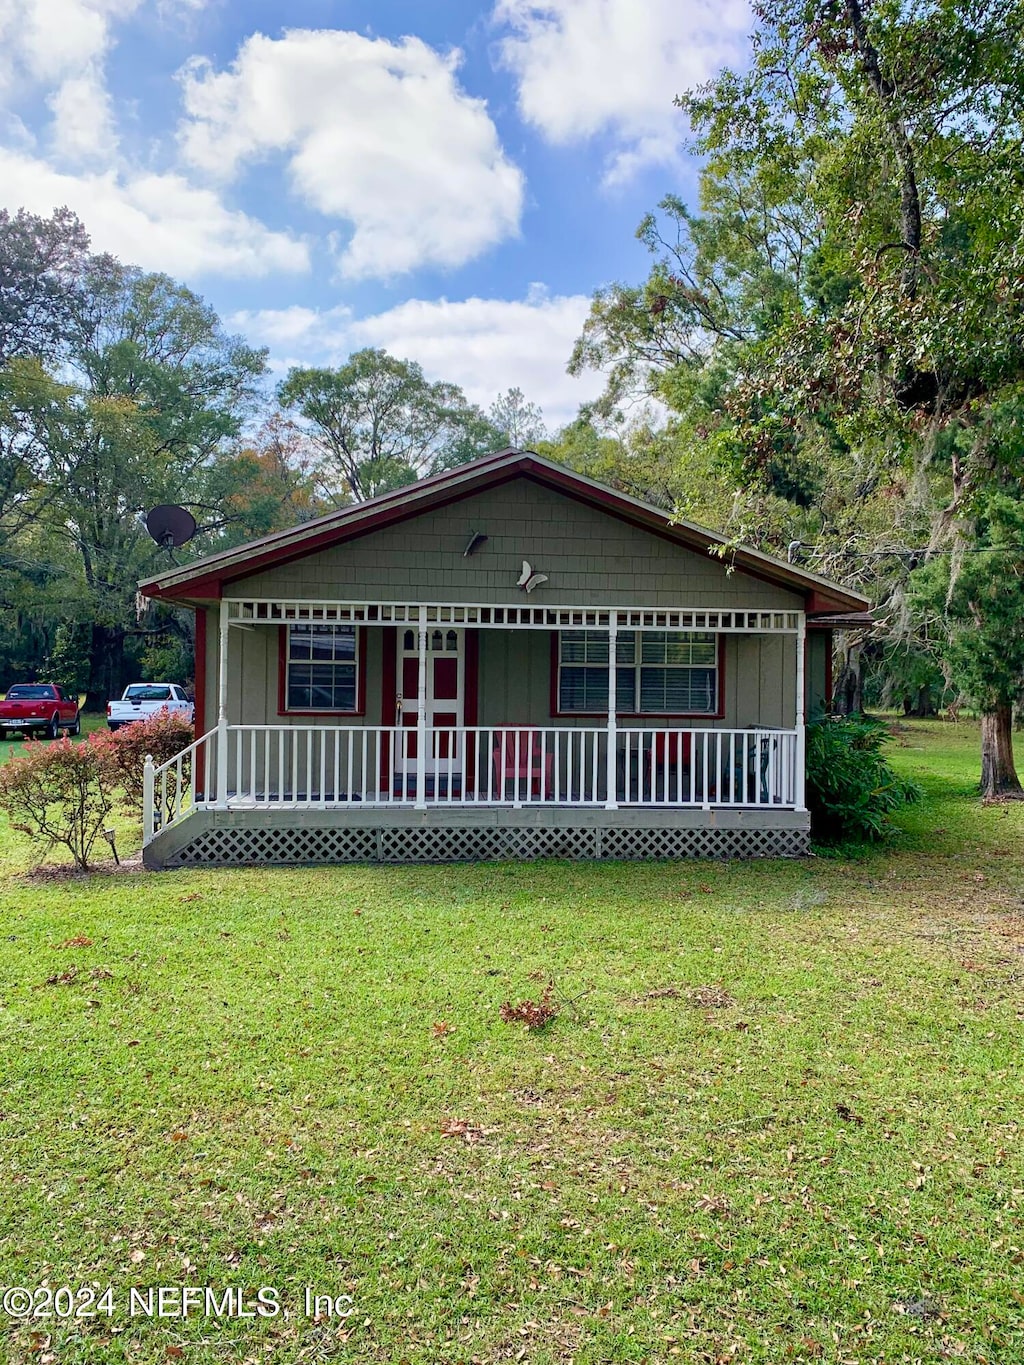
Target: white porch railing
{"type": "Point", "coordinates": [318, 767]}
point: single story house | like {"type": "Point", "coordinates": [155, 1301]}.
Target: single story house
{"type": "Point", "coordinates": [506, 660]}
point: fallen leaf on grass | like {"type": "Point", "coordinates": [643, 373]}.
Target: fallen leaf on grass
{"type": "Point", "coordinates": [441, 1029]}
{"type": "Point", "coordinates": [461, 1128]}
{"type": "Point", "coordinates": [63, 978]}
{"type": "Point", "coordinates": [79, 941]}
{"type": "Point", "coordinates": [535, 1014]}
{"type": "Point", "coordinates": [711, 998]}
{"type": "Point", "coordinates": [918, 1308]}
{"type": "Point", "coordinates": [847, 1115]}
{"type": "Point", "coordinates": [712, 1203]}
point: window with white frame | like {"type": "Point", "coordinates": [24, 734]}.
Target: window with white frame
{"type": "Point", "coordinates": [663, 672]}
{"type": "Point", "coordinates": [321, 668]}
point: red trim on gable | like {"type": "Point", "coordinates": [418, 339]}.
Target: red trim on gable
{"type": "Point", "coordinates": [282, 672]}
{"type": "Point", "coordinates": [377, 521]}
{"type": "Point", "coordinates": [444, 489]}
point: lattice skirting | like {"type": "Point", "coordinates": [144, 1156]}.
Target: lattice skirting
{"type": "Point", "coordinates": [284, 846]}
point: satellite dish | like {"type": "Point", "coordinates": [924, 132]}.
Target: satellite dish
{"type": "Point", "coordinates": [170, 526]}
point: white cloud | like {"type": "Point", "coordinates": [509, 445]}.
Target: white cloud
{"type": "Point", "coordinates": [60, 46]}
{"type": "Point", "coordinates": [377, 134]}
{"type": "Point", "coordinates": [484, 345]}
{"type": "Point", "coordinates": [157, 221]}
{"type": "Point", "coordinates": [612, 67]}
{"type": "Point", "coordinates": [83, 122]}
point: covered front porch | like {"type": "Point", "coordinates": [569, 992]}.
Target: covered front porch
{"type": "Point", "coordinates": [306, 786]}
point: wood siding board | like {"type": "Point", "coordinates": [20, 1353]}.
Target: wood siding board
{"type": "Point", "coordinates": [657, 571]}
{"type": "Point", "coordinates": [446, 490]}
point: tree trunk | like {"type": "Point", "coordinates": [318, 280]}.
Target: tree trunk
{"type": "Point", "coordinates": [848, 690]}
{"type": "Point", "coordinates": [106, 666]}
{"type": "Point", "coordinates": [924, 706]}
{"type": "Point", "coordinates": [887, 96]}
{"type": "Point", "coordinates": [998, 775]}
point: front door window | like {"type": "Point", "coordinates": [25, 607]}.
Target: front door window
{"type": "Point", "coordinates": [445, 707]}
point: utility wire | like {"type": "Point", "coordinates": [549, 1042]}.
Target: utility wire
{"type": "Point", "coordinates": [917, 552]}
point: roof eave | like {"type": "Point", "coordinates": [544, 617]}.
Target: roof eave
{"type": "Point", "coordinates": [192, 581]}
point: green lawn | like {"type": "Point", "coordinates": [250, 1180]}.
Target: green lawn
{"type": "Point", "coordinates": [778, 1119]}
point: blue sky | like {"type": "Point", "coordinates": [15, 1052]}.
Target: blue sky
{"type": "Point", "coordinates": [448, 179]}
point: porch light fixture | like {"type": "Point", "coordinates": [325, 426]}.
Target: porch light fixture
{"type": "Point", "coordinates": [528, 580]}
{"type": "Point", "coordinates": [476, 539]}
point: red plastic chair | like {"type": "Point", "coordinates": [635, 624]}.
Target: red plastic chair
{"type": "Point", "coordinates": [669, 751]}
{"type": "Point", "coordinates": [518, 758]}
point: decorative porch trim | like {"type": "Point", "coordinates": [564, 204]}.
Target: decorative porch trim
{"type": "Point", "coordinates": [278, 611]}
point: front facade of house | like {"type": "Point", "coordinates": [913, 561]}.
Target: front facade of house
{"type": "Point", "coordinates": [507, 660]}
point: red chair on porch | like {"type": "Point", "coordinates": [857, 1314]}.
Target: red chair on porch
{"type": "Point", "coordinates": [669, 752]}
{"type": "Point", "coordinates": [518, 759]}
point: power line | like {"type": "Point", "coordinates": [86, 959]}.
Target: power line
{"type": "Point", "coordinates": [915, 552]}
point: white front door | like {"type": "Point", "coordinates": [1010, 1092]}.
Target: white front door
{"type": "Point", "coordinates": [445, 709]}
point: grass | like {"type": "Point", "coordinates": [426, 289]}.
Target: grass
{"type": "Point", "coordinates": [778, 1117]}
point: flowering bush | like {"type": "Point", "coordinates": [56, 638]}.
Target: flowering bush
{"type": "Point", "coordinates": [61, 793]}
{"type": "Point", "coordinates": [124, 751]}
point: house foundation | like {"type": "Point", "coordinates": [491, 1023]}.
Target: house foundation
{"type": "Point", "coordinates": [290, 838]}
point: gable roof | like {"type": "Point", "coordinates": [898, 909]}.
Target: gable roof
{"type": "Point", "coordinates": [205, 578]}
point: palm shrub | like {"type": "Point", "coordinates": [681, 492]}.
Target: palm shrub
{"type": "Point", "coordinates": [851, 788]}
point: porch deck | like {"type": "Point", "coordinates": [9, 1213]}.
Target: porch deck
{"type": "Point", "coordinates": [287, 794]}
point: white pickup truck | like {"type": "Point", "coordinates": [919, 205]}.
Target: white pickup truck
{"type": "Point", "coordinates": [139, 701]}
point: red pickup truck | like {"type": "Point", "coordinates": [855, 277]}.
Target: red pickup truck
{"type": "Point", "coordinates": [39, 706]}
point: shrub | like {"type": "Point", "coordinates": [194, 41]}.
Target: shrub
{"type": "Point", "coordinates": [60, 793]}
{"type": "Point", "coordinates": [124, 751]}
{"type": "Point", "coordinates": [851, 789]}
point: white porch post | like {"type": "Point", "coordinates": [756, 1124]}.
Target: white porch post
{"type": "Point", "coordinates": [421, 716]}
{"type": "Point", "coordinates": [222, 708]}
{"type": "Point", "coordinates": [801, 737]}
{"type": "Point", "coordinates": [611, 777]}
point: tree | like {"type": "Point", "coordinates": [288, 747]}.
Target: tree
{"type": "Point", "coordinates": [379, 423]}
{"type": "Point", "coordinates": [519, 423]}
{"type": "Point", "coordinates": [267, 484]}
{"type": "Point", "coordinates": [839, 322]}
{"type": "Point", "coordinates": [971, 602]}
{"type": "Point", "coordinates": [160, 389]}
{"type": "Point", "coordinates": [41, 265]}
